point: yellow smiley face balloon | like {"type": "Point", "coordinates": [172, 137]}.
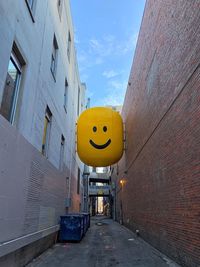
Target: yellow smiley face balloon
{"type": "Point", "coordinates": [100, 137]}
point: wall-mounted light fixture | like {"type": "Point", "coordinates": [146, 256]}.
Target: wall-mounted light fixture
{"type": "Point", "coordinates": [122, 181]}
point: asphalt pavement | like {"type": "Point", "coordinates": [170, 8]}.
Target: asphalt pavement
{"type": "Point", "coordinates": [106, 244]}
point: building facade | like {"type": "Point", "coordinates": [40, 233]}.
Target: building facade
{"type": "Point", "coordinates": [41, 97]}
{"type": "Point", "coordinates": [158, 178]}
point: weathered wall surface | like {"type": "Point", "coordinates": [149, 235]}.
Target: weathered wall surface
{"type": "Point", "coordinates": [32, 192]}
{"type": "Point", "coordinates": [161, 166]}
{"type": "Point", "coordinates": [38, 88]}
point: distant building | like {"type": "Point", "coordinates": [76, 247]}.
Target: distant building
{"type": "Point", "coordinates": [116, 108]}
{"type": "Point", "coordinates": [41, 96]}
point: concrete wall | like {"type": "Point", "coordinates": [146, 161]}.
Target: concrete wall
{"type": "Point", "coordinates": [35, 41]}
{"type": "Point", "coordinates": [32, 192]}
{"type": "Point", "coordinates": [161, 168]}
{"type": "Point", "coordinates": [21, 257]}
{"type": "Point", "coordinates": [38, 87]}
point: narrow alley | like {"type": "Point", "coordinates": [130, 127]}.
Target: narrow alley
{"type": "Point", "coordinates": [99, 133]}
{"type": "Point", "coordinates": [106, 244]}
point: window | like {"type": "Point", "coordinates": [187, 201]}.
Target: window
{"type": "Point", "coordinates": [12, 85]}
{"type": "Point", "coordinates": [46, 133]}
{"type": "Point", "coordinates": [78, 181]}
{"type": "Point", "coordinates": [66, 95]}
{"type": "Point", "coordinates": [69, 46]}
{"type": "Point", "coordinates": [31, 7]}
{"type": "Point", "coordinates": [62, 149]}
{"type": "Point", "coordinates": [54, 57]}
{"type": "Point", "coordinates": [59, 6]}
{"type": "Point", "coordinates": [78, 103]}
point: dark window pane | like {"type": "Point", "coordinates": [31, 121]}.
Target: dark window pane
{"type": "Point", "coordinates": [10, 90]}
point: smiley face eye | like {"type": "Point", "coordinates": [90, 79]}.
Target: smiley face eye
{"type": "Point", "coordinates": [94, 129]}
{"type": "Point", "coordinates": [105, 129]}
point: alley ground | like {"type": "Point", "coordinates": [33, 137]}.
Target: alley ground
{"type": "Point", "coordinates": [106, 244]}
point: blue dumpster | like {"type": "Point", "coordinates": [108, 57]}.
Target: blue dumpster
{"type": "Point", "coordinates": [87, 219]}
{"type": "Point", "coordinates": [71, 227]}
{"type": "Point", "coordinates": [84, 220]}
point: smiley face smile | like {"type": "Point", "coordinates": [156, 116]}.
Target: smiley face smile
{"type": "Point", "coordinates": [100, 146]}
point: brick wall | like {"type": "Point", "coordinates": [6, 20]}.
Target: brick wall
{"type": "Point", "coordinates": [161, 165]}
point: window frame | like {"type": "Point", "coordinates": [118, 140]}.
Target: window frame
{"type": "Point", "coordinates": [59, 7]}
{"type": "Point", "coordinates": [62, 152]}
{"type": "Point", "coordinates": [31, 9]}
{"type": "Point", "coordinates": [46, 132]}
{"type": "Point", "coordinates": [69, 43]}
{"type": "Point", "coordinates": [54, 58]}
{"type": "Point", "coordinates": [66, 95]}
{"type": "Point", "coordinates": [18, 61]}
{"type": "Point", "coordinates": [18, 66]}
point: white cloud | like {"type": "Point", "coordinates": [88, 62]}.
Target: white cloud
{"type": "Point", "coordinates": [117, 85]}
{"type": "Point", "coordinates": [95, 52]}
{"type": "Point", "coordinates": [109, 38]}
{"type": "Point", "coordinates": [130, 44]}
{"type": "Point", "coordinates": [94, 44]}
{"type": "Point", "coordinates": [110, 74]}
{"type": "Point", "coordinates": [98, 61]}
{"type": "Point", "coordinates": [109, 45]}
{"type": "Point", "coordinates": [115, 93]}
{"type": "Point", "coordinates": [100, 48]}
{"type": "Point", "coordinates": [113, 100]}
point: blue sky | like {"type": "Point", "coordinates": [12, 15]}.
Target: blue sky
{"type": "Point", "coordinates": [106, 33]}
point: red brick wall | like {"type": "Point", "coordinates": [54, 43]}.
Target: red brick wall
{"type": "Point", "coordinates": [161, 166]}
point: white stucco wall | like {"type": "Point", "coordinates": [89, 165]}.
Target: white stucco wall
{"type": "Point", "coordinates": [37, 90]}
{"type": "Point", "coordinates": [32, 192]}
